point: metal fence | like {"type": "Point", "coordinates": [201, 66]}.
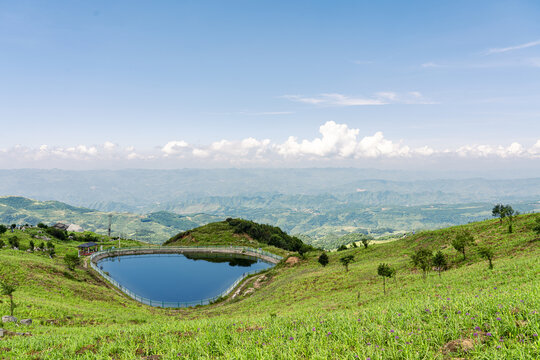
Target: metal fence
{"type": "Point", "coordinates": [178, 304]}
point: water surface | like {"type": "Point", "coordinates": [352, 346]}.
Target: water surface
{"type": "Point", "coordinates": [179, 277]}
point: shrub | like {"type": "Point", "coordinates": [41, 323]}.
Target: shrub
{"type": "Point", "coordinates": [57, 233]}
{"type": "Point", "coordinates": [342, 247]}
{"type": "Point", "coordinates": [42, 225]}
{"type": "Point", "coordinates": [13, 242]}
{"type": "Point", "coordinates": [323, 259]}
{"type": "Point", "coordinates": [72, 261]}
{"type": "Point", "coordinates": [3, 229]}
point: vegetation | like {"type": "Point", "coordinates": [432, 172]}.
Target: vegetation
{"type": "Point", "coordinates": [487, 253]}
{"type": "Point", "coordinates": [7, 288]}
{"type": "Point", "coordinates": [385, 271]}
{"type": "Point", "coordinates": [302, 311]}
{"type": "Point", "coordinates": [240, 232]}
{"type": "Point", "coordinates": [72, 261]}
{"type": "Point", "coordinates": [323, 259]}
{"type": "Point", "coordinates": [536, 227]}
{"type": "Point", "coordinates": [439, 260]}
{"type": "Point", "coordinates": [462, 241]}
{"type": "Point", "coordinates": [346, 260]}
{"type": "Point", "coordinates": [423, 259]}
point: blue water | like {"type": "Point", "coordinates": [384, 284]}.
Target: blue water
{"type": "Point", "coordinates": [175, 277]}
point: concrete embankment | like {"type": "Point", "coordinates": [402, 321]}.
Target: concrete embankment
{"type": "Point", "coordinates": [185, 250]}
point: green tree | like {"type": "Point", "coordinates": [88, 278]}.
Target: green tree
{"type": "Point", "coordinates": [323, 259]}
{"type": "Point", "coordinates": [41, 245]}
{"type": "Point", "coordinates": [366, 241]}
{"type": "Point", "coordinates": [423, 259]}
{"type": "Point", "coordinates": [72, 261]}
{"type": "Point", "coordinates": [346, 260]}
{"type": "Point", "coordinates": [342, 247]}
{"type": "Point", "coordinates": [510, 213]}
{"type": "Point", "coordinates": [3, 229]}
{"type": "Point", "coordinates": [31, 245]}
{"type": "Point", "coordinates": [463, 240]}
{"type": "Point", "coordinates": [385, 271]}
{"type": "Point", "coordinates": [2, 244]}
{"type": "Point", "coordinates": [498, 211]}
{"type": "Point", "coordinates": [13, 242]}
{"type": "Point", "coordinates": [487, 252]}
{"type": "Point", "coordinates": [8, 289]}
{"type": "Point", "coordinates": [439, 260]}
{"type": "Point", "coordinates": [536, 227]}
{"type": "Point", "coordinates": [42, 225]}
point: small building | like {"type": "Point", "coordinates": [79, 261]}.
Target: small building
{"type": "Point", "coordinates": [87, 248]}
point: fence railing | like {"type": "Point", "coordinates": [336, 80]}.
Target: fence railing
{"type": "Point", "coordinates": [178, 304]}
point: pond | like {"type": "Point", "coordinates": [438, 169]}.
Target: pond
{"type": "Point", "coordinates": [179, 277]}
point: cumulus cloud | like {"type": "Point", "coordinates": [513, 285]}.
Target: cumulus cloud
{"type": "Point", "coordinates": [336, 142]}
{"type": "Point", "coordinates": [379, 98]}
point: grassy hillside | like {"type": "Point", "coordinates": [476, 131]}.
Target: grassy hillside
{"type": "Point", "coordinates": [303, 311]}
{"type": "Point", "coordinates": [153, 228]}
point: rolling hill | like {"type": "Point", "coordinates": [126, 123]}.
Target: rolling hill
{"type": "Point", "coordinates": [298, 311]}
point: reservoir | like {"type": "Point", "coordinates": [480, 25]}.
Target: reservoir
{"type": "Point", "coordinates": [179, 278]}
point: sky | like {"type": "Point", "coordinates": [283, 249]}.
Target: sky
{"type": "Point", "coordinates": [174, 84]}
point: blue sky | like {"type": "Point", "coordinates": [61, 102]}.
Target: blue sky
{"type": "Point", "coordinates": [180, 83]}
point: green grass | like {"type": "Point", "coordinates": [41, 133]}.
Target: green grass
{"type": "Point", "coordinates": [303, 311]}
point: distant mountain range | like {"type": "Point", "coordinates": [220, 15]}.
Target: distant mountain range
{"type": "Point", "coordinates": [319, 204]}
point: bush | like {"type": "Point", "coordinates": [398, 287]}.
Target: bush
{"type": "Point", "coordinates": [3, 229]}
{"type": "Point", "coordinates": [72, 261]}
{"type": "Point", "coordinates": [42, 226]}
{"type": "Point", "coordinates": [342, 247]}
{"type": "Point", "coordinates": [13, 242]}
{"type": "Point", "coordinates": [57, 233]}
{"type": "Point", "coordinates": [323, 259]}
{"type": "Point", "coordinates": [423, 259]}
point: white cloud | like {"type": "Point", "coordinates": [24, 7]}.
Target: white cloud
{"type": "Point", "coordinates": [174, 147]}
{"type": "Point", "coordinates": [379, 98]}
{"type": "Point", "coordinates": [335, 143]}
{"type": "Point", "coordinates": [512, 48]}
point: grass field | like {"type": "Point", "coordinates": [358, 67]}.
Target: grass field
{"type": "Point", "coordinates": [304, 311]}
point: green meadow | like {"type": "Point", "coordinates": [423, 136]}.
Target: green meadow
{"type": "Point", "coordinates": [296, 310]}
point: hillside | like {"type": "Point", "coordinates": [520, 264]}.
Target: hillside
{"type": "Point", "coordinates": [301, 311]}
{"type": "Point", "coordinates": [153, 228]}
{"type": "Point", "coordinates": [239, 232]}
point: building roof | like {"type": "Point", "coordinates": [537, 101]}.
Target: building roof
{"type": "Point", "coordinates": [87, 245]}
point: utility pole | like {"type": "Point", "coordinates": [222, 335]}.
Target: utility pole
{"type": "Point", "coordinates": [110, 222]}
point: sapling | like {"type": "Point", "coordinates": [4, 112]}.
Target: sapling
{"type": "Point", "coordinates": [385, 271]}
{"type": "Point", "coordinates": [463, 240]}
{"type": "Point", "coordinates": [8, 289]}
{"type": "Point", "coordinates": [439, 260]}
{"type": "Point", "coordinates": [423, 259]}
{"type": "Point", "coordinates": [346, 260]}
{"type": "Point", "coordinates": [487, 252]}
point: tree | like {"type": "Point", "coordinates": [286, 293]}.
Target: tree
{"type": "Point", "coordinates": [509, 214]}
{"type": "Point", "coordinates": [346, 260]}
{"type": "Point", "coordinates": [439, 260]}
{"type": "Point", "coordinates": [487, 252]}
{"type": "Point", "coordinates": [8, 289]}
{"type": "Point", "coordinates": [498, 211]}
{"type": "Point", "coordinates": [366, 241]}
{"type": "Point", "coordinates": [72, 261]}
{"type": "Point", "coordinates": [385, 271]}
{"type": "Point", "coordinates": [31, 245]}
{"type": "Point", "coordinates": [13, 242]}
{"type": "Point", "coordinates": [423, 259]}
{"type": "Point", "coordinates": [41, 246]}
{"type": "Point", "coordinates": [342, 247]}
{"type": "Point", "coordinates": [462, 240]}
{"type": "Point", "coordinates": [2, 244]}
{"type": "Point", "coordinates": [42, 225]}
{"type": "Point", "coordinates": [323, 259]}
{"type": "Point", "coordinates": [3, 229]}
{"type": "Point", "coordinates": [536, 227]}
